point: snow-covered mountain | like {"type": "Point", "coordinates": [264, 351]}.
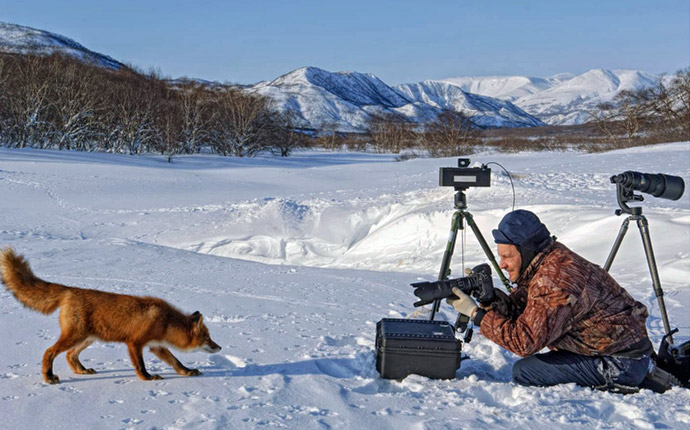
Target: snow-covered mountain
{"type": "Point", "coordinates": [561, 99]}
{"type": "Point", "coordinates": [18, 39]}
{"type": "Point", "coordinates": [485, 111]}
{"type": "Point", "coordinates": [345, 100]}
{"type": "Point", "coordinates": [349, 99]}
{"type": "Point", "coordinates": [506, 87]}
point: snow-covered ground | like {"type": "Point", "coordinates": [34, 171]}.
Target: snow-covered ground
{"type": "Point", "coordinates": [344, 234]}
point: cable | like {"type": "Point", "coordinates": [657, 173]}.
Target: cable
{"type": "Point", "coordinates": [509, 177]}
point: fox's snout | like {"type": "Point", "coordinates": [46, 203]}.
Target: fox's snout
{"type": "Point", "coordinates": [211, 347]}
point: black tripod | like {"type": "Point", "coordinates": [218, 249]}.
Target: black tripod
{"type": "Point", "coordinates": [457, 223]}
{"type": "Point", "coordinates": [626, 195]}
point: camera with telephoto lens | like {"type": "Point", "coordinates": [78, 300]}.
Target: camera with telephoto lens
{"type": "Point", "coordinates": [478, 284]}
{"type": "Point", "coordinates": [671, 362]}
{"type": "Point", "coordinates": [659, 185]}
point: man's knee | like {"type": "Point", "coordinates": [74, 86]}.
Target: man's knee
{"type": "Point", "coordinates": [523, 371]}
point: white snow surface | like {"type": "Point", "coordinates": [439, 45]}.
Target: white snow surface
{"type": "Point", "coordinates": [345, 234]}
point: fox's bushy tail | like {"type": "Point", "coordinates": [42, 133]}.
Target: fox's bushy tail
{"type": "Point", "coordinates": [31, 291]}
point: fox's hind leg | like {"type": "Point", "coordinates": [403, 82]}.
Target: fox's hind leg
{"type": "Point", "coordinates": [167, 356]}
{"type": "Point", "coordinates": [73, 358]}
{"type": "Point", "coordinates": [66, 341]}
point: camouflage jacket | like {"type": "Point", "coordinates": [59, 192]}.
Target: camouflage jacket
{"type": "Point", "coordinates": [564, 302]}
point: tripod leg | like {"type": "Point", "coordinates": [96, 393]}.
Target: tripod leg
{"type": "Point", "coordinates": [487, 250]}
{"type": "Point", "coordinates": [617, 244]}
{"type": "Point", "coordinates": [647, 242]}
{"type": "Point", "coordinates": [455, 225]}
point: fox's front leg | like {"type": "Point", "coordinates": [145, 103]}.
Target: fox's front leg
{"type": "Point", "coordinates": [138, 361]}
{"type": "Point", "coordinates": [167, 356]}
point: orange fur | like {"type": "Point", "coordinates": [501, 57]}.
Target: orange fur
{"type": "Point", "coordinates": [89, 315]}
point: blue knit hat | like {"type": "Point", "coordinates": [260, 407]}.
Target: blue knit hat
{"type": "Point", "coordinates": [523, 229]}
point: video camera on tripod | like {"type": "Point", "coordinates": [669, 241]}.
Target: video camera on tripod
{"type": "Point", "coordinates": [430, 348]}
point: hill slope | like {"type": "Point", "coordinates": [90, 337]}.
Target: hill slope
{"type": "Point", "coordinates": [18, 39]}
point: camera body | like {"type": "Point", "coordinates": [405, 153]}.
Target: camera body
{"type": "Point", "coordinates": [477, 284]}
{"type": "Point", "coordinates": [463, 177]}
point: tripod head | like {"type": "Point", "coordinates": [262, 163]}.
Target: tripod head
{"type": "Point", "coordinates": [460, 200]}
{"type": "Point", "coordinates": [625, 195]}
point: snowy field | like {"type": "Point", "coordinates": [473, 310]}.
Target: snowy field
{"type": "Point", "coordinates": [292, 262]}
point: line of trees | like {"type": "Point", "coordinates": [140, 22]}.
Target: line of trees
{"type": "Point", "coordinates": [451, 133]}
{"type": "Point", "coordinates": [62, 103]}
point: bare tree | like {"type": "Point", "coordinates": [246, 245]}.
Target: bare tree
{"type": "Point", "coordinates": [286, 134]}
{"type": "Point", "coordinates": [328, 136]}
{"type": "Point", "coordinates": [604, 117]}
{"type": "Point", "coordinates": [197, 113]}
{"type": "Point", "coordinates": [452, 133]}
{"type": "Point", "coordinates": [389, 132]}
{"type": "Point", "coordinates": [169, 135]}
{"type": "Point", "coordinates": [241, 123]}
{"type": "Point", "coordinates": [671, 102]}
{"type": "Point", "coordinates": [131, 119]}
{"type": "Point", "coordinates": [75, 104]}
{"type": "Point", "coordinates": [26, 88]}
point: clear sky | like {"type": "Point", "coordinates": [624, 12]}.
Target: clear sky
{"type": "Point", "coordinates": [399, 41]}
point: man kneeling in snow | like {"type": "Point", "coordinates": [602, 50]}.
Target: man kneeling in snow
{"type": "Point", "coordinates": [595, 330]}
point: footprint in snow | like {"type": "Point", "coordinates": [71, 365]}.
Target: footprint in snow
{"type": "Point", "coordinates": [340, 341]}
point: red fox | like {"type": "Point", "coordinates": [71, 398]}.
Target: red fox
{"type": "Point", "coordinates": [90, 315]}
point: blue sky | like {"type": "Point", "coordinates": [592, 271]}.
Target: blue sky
{"type": "Point", "coordinates": [399, 41]}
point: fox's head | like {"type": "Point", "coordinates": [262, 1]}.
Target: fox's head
{"type": "Point", "coordinates": [200, 337]}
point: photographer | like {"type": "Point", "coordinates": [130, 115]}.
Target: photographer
{"type": "Point", "coordinates": [595, 330]}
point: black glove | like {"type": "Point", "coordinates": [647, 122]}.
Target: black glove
{"type": "Point", "coordinates": [503, 305]}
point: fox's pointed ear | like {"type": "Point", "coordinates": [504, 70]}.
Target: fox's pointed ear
{"type": "Point", "coordinates": [196, 316]}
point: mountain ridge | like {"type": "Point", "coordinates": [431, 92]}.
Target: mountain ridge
{"type": "Point", "coordinates": [351, 98]}
{"type": "Point", "coordinates": [346, 101]}
{"type": "Point", "coordinates": [561, 99]}
{"type": "Point", "coordinates": [19, 39]}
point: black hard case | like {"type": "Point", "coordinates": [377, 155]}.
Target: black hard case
{"type": "Point", "coordinates": [427, 348]}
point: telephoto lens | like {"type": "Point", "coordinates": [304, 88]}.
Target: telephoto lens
{"type": "Point", "coordinates": [659, 185]}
